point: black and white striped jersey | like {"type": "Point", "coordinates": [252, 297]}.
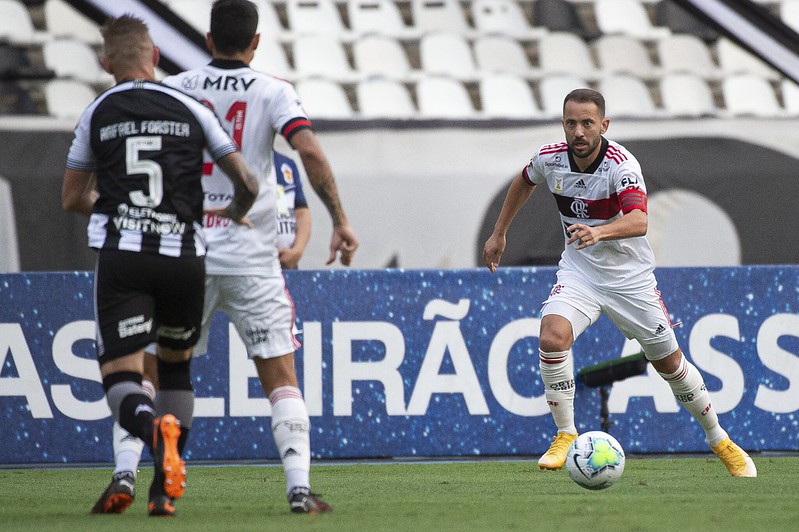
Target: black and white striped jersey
{"type": "Point", "coordinates": [145, 142]}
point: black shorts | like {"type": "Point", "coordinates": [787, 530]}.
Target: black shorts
{"type": "Point", "coordinates": [141, 298]}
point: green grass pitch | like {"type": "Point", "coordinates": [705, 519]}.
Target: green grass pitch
{"type": "Point", "coordinates": [658, 494]}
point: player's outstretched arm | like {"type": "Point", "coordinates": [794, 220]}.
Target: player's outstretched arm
{"type": "Point", "coordinates": [245, 188]}
{"type": "Point", "coordinates": [320, 175]}
{"type": "Point", "coordinates": [518, 194]}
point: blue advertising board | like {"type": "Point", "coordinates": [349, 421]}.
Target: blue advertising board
{"type": "Point", "coordinates": [415, 363]}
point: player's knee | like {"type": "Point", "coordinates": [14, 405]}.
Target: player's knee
{"type": "Point", "coordinates": [552, 341]}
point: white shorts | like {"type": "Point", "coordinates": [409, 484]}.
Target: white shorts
{"type": "Point", "coordinates": [260, 308]}
{"type": "Point", "coordinates": [641, 316]}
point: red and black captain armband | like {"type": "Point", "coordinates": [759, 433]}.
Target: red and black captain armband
{"type": "Point", "coordinates": [294, 125]}
{"type": "Point", "coordinates": [632, 199]}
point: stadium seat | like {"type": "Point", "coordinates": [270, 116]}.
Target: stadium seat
{"type": "Point", "coordinates": [315, 17]}
{"type": "Point", "coordinates": [789, 13]}
{"type": "Point", "coordinates": [561, 16]}
{"type": "Point", "coordinates": [439, 15]}
{"type": "Point", "coordinates": [377, 55]}
{"type": "Point", "coordinates": [553, 89]}
{"type": "Point", "coordinates": [380, 97]}
{"type": "Point", "coordinates": [790, 97]}
{"type": "Point", "coordinates": [565, 53]}
{"type": "Point", "coordinates": [749, 95]}
{"type": "Point", "coordinates": [628, 17]}
{"type": "Point", "coordinates": [503, 17]}
{"type": "Point", "coordinates": [62, 20]}
{"type": "Point", "coordinates": [501, 54]}
{"type": "Point", "coordinates": [270, 57]}
{"type": "Point", "coordinates": [16, 25]}
{"type": "Point", "coordinates": [735, 60]}
{"type": "Point", "coordinates": [624, 54]}
{"type": "Point", "coordinates": [627, 97]}
{"type": "Point", "coordinates": [680, 21]}
{"type": "Point", "coordinates": [687, 53]}
{"type": "Point", "coordinates": [508, 96]}
{"type": "Point", "coordinates": [67, 98]}
{"type": "Point", "coordinates": [269, 25]}
{"type": "Point", "coordinates": [687, 95]}
{"type": "Point", "coordinates": [382, 17]}
{"type": "Point", "coordinates": [324, 98]}
{"type": "Point", "coordinates": [9, 258]}
{"type": "Point", "coordinates": [196, 13]}
{"type": "Point", "coordinates": [69, 58]}
{"type": "Point", "coordinates": [15, 100]}
{"type": "Point", "coordinates": [322, 55]}
{"type": "Point", "coordinates": [443, 97]}
{"type": "Point", "coordinates": [448, 54]}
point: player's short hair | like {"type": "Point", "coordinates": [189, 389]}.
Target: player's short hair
{"type": "Point", "coordinates": [586, 96]}
{"type": "Point", "coordinates": [233, 25]}
{"type": "Point", "coordinates": [126, 41]}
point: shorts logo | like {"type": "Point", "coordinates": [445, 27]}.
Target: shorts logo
{"type": "Point", "coordinates": [133, 326]}
{"type": "Point", "coordinates": [556, 290]}
{"type": "Point", "coordinates": [175, 333]}
{"type": "Point", "coordinates": [661, 329]}
{"type": "Point", "coordinates": [257, 335]}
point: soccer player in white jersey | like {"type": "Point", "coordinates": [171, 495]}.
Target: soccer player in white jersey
{"type": "Point", "coordinates": [606, 267]}
{"type": "Point", "coordinates": [244, 277]}
{"type": "Point", "coordinates": [135, 167]}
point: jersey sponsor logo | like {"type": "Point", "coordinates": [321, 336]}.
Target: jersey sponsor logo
{"type": "Point", "coordinates": [133, 326]}
{"type": "Point", "coordinates": [227, 83]}
{"type": "Point", "coordinates": [147, 221]}
{"type": "Point", "coordinates": [213, 221]}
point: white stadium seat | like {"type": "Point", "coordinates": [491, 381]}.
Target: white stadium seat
{"type": "Point", "coordinates": [627, 97]}
{"type": "Point", "coordinates": [687, 95]}
{"type": "Point", "coordinates": [380, 97]}
{"type": "Point", "coordinates": [324, 98]}
{"type": "Point", "coordinates": [553, 90]}
{"type": "Point", "coordinates": [448, 54]}
{"type": "Point", "coordinates": [750, 95]}
{"type": "Point", "coordinates": [67, 98]}
{"type": "Point", "coordinates": [508, 96]}
{"type": "Point", "coordinates": [442, 97]}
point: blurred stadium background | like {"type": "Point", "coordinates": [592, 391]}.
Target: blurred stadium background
{"type": "Point", "coordinates": [427, 108]}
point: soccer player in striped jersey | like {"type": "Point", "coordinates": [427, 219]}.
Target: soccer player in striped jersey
{"type": "Point", "coordinates": [135, 167]}
{"type": "Point", "coordinates": [606, 267]}
{"type": "Point", "coordinates": [244, 277]}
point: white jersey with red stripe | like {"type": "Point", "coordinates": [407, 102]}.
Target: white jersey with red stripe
{"type": "Point", "coordinates": [252, 107]}
{"type": "Point", "coordinates": [612, 185]}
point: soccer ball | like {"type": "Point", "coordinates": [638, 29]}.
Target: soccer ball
{"type": "Point", "coordinates": [595, 460]}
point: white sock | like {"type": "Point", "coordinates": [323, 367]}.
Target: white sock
{"type": "Point", "coordinates": [689, 389]}
{"type": "Point", "coordinates": [291, 430]}
{"type": "Point", "coordinates": [128, 448]}
{"type": "Point", "coordinates": [557, 373]}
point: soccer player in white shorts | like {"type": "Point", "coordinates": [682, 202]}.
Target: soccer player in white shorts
{"type": "Point", "coordinates": [244, 277]}
{"type": "Point", "coordinates": [606, 267]}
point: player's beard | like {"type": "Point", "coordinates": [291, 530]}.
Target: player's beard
{"type": "Point", "coordinates": [582, 151]}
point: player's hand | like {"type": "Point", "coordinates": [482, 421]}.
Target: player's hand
{"type": "Point", "coordinates": [289, 258]}
{"type": "Point", "coordinates": [343, 241]}
{"type": "Point", "coordinates": [492, 251]}
{"type": "Point", "coordinates": [223, 213]}
{"type": "Point", "coordinates": [586, 235]}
